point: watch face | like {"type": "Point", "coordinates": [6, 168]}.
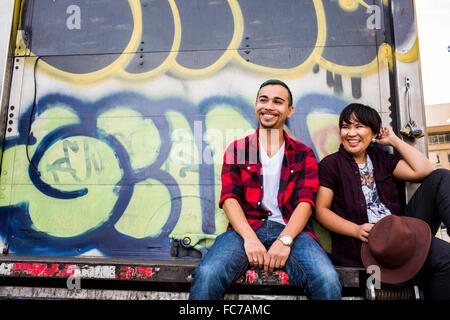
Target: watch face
{"type": "Point", "coordinates": [287, 240]}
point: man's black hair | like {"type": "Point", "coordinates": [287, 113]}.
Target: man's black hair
{"type": "Point", "coordinates": [277, 82]}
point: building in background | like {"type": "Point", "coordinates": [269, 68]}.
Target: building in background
{"type": "Point", "coordinates": [438, 129]}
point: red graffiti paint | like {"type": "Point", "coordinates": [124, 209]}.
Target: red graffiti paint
{"type": "Point", "coordinates": [283, 277]}
{"type": "Point", "coordinates": [38, 270]}
{"type": "Point", "coordinates": [251, 276]}
{"type": "Point", "coordinates": [66, 270]}
{"type": "Point", "coordinates": [145, 272]}
{"type": "Point", "coordinates": [321, 136]}
{"type": "Point", "coordinates": [128, 273]}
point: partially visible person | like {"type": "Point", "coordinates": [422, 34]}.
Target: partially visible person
{"type": "Point", "coordinates": [269, 181]}
{"type": "Point", "coordinates": [358, 189]}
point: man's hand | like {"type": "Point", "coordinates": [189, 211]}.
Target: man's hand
{"type": "Point", "coordinates": [253, 247]}
{"type": "Point", "coordinates": [276, 257]}
{"type": "Point", "coordinates": [255, 251]}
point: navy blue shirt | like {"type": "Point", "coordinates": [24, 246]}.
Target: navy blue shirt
{"type": "Point", "coordinates": [339, 172]}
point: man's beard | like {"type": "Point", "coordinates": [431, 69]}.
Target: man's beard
{"type": "Point", "coordinates": [270, 126]}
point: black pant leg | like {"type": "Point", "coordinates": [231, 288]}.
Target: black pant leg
{"type": "Point", "coordinates": [431, 201]}
{"type": "Point", "coordinates": [436, 271]}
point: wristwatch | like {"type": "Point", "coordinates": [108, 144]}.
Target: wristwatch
{"type": "Point", "coordinates": [286, 240]}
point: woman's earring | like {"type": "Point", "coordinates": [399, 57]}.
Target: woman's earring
{"type": "Point", "coordinates": [374, 140]}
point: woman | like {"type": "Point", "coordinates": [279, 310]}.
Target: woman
{"type": "Point", "coordinates": [358, 188]}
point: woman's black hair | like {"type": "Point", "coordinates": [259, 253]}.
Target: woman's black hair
{"type": "Point", "coordinates": [363, 114]}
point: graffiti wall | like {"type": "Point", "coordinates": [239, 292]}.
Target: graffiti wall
{"type": "Point", "coordinates": [120, 111]}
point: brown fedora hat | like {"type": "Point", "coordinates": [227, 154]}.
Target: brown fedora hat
{"type": "Point", "coordinates": [398, 246]}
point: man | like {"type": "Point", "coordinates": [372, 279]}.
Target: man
{"type": "Point", "coordinates": [269, 182]}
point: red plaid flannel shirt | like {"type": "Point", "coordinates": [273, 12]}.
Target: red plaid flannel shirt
{"type": "Point", "coordinates": [242, 179]}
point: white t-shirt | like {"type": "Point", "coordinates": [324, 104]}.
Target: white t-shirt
{"type": "Point", "coordinates": [271, 171]}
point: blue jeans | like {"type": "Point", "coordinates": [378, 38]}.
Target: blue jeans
{"type": "Point", "coordinates": [308, 265]}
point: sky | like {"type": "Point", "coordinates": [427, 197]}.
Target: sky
{"type": "Point", "coordinates": [433, 26]}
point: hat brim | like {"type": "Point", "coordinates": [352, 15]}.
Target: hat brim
{"type": "Point", "coordinates": [408, 270]}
